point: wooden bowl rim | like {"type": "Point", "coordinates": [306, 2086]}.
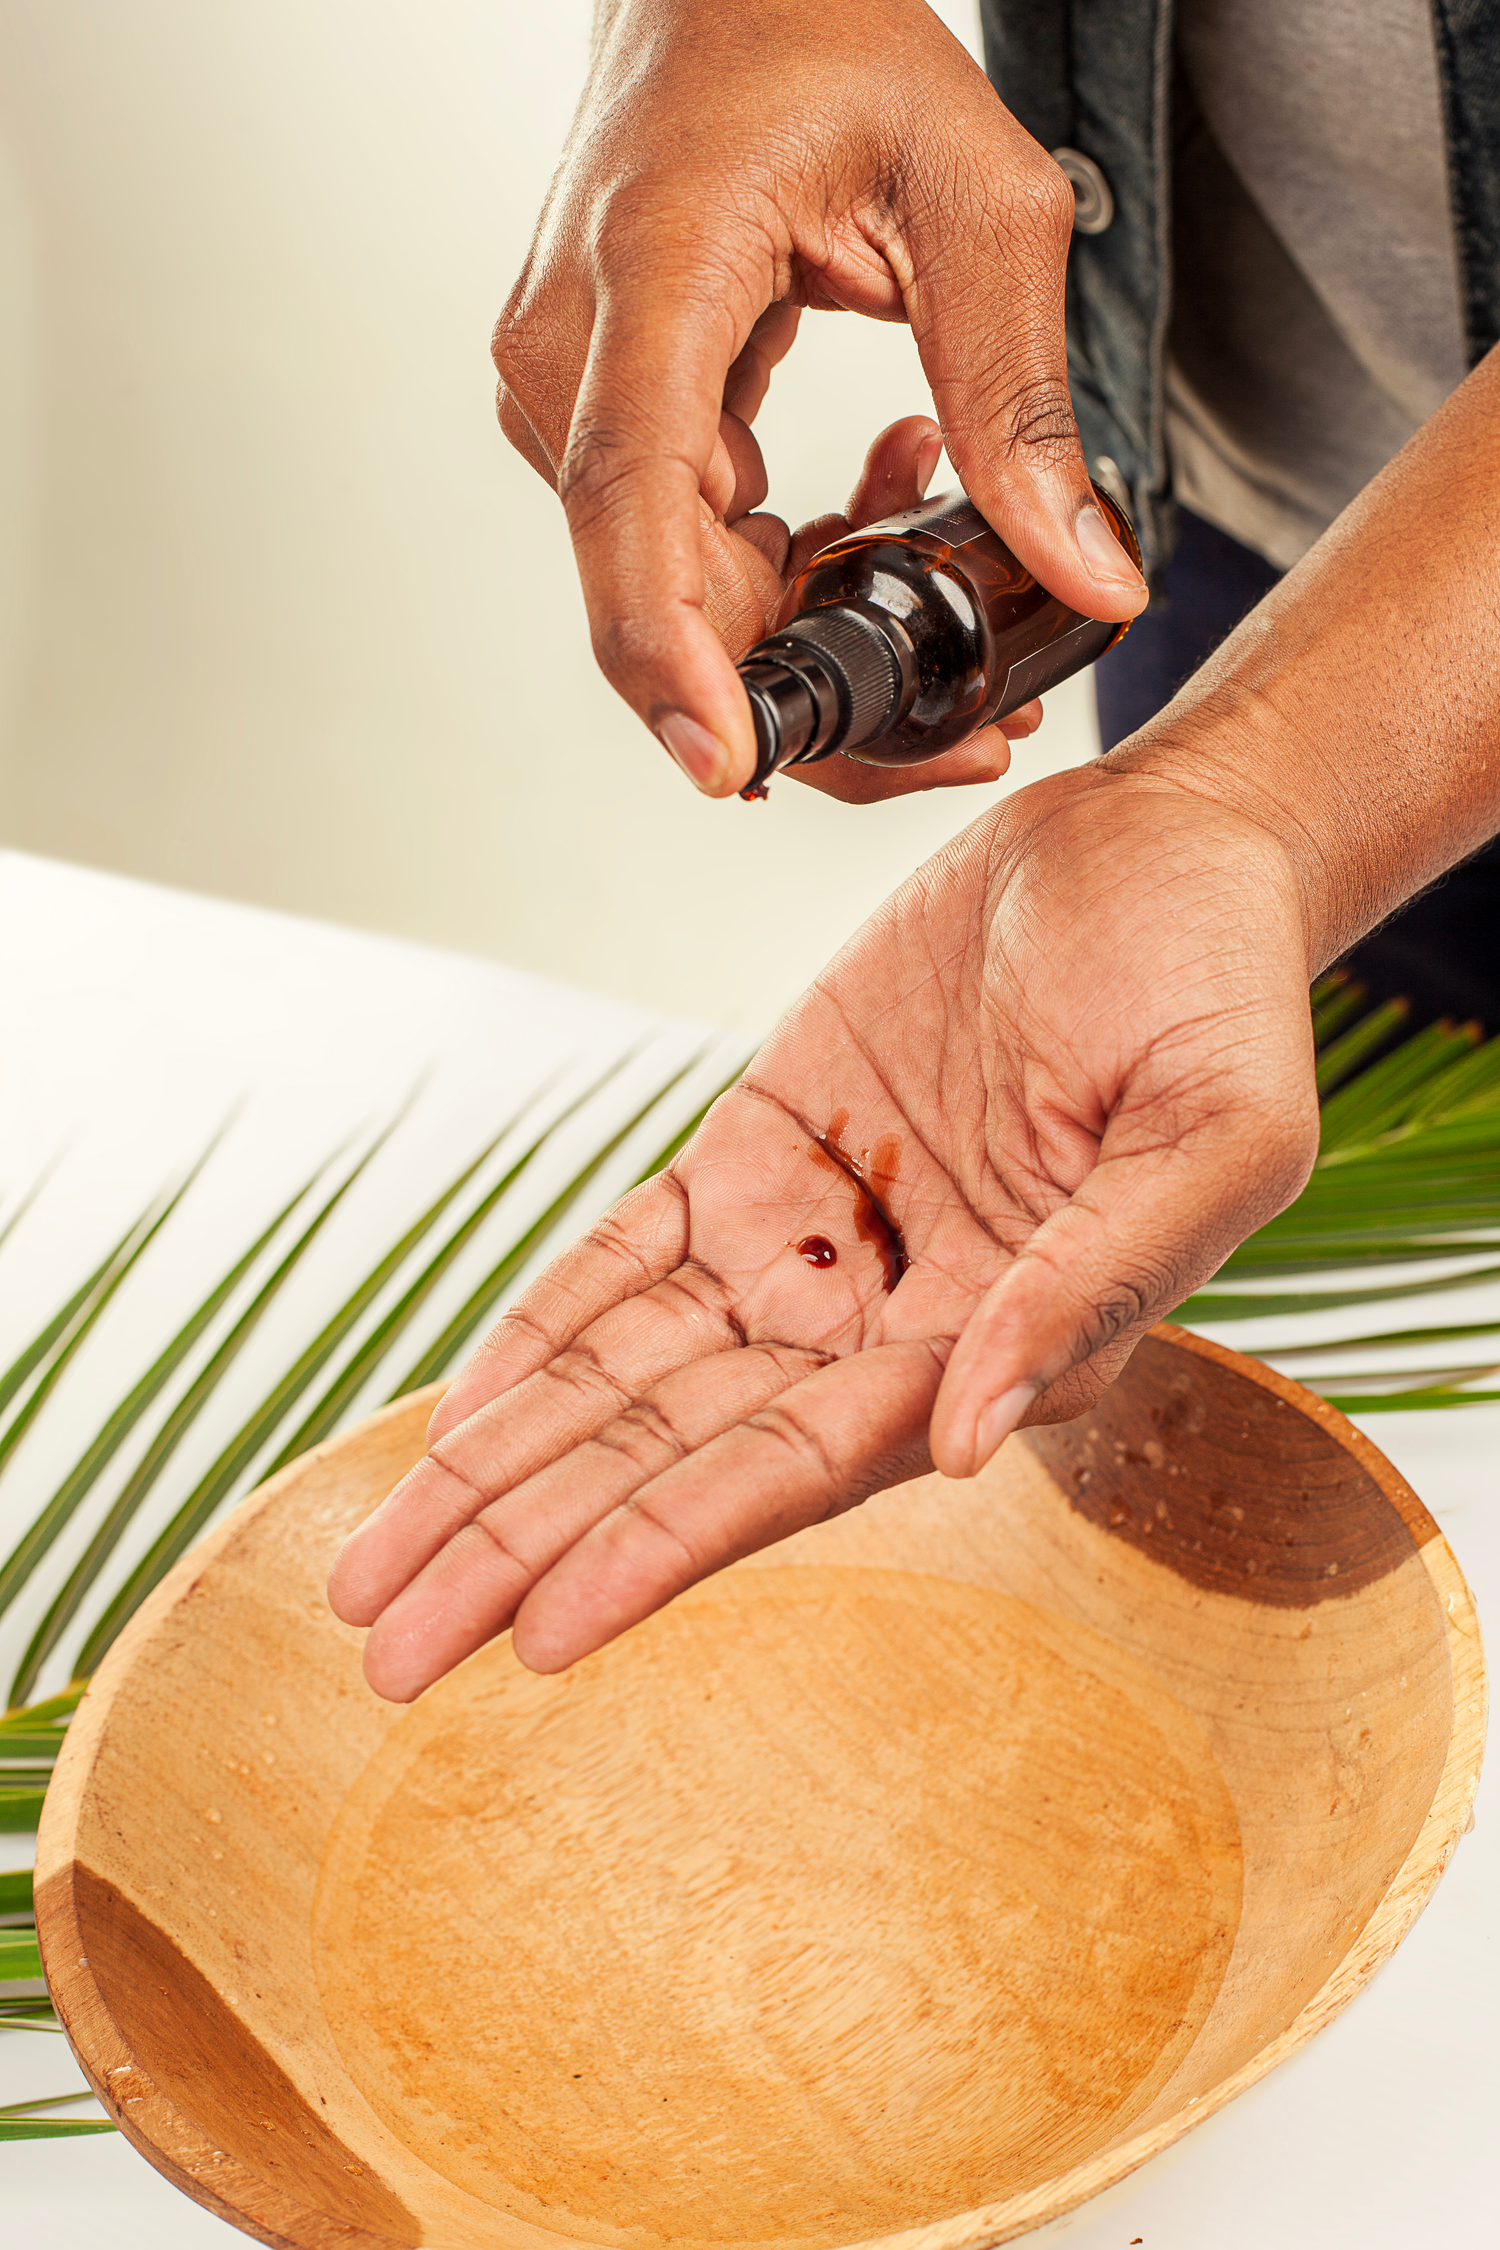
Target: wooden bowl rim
{"type": "Point", "coordinates": [84, 2012]}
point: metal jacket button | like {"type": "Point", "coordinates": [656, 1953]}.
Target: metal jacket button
{"type": "Point", "coordinates": [1093, 205]}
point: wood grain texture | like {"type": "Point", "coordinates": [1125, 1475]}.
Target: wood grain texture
{"type": "Point", "coordinates": [779, 1957]}
{"type": "Point", "coordinates": [1176, 1466]}
{"type": "Point", "coordinates": [906, 1884]}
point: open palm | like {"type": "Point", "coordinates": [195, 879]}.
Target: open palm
{"type": "Point", "coordinates": [1031, 1105]}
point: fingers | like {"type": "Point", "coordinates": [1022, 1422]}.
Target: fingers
{"type": "Point", "coordinates": [983, 278]}
{"type": "Point", "coordinates": [897, 470]}
{"type": "Point", "coordinates": [635, 1246]}
{"type": "Point", "coordinates": [811, 538]}
{"type": "Point", "coordinates": [618, 1358]}
{"type": "Point", "coordinates": [749, 377]}
{"type": "Point", "coordinates": [518, 427]}
{"type": "Point", "coordinates": [817, 1450]}
{"type": "Point", "coordinates": [637, 1243]}
{"type": "Point", "coordinates": [1137, 1237]}
{"type": "Point", "coordinates": [770, 537]}
{"type": "Point", "coordinates": [984, 757]}
{"type": "Point", "coordinates": [470, 1589]}
{"type": "Point", "coordinates": [736, 480]}
{"type": "Point", "coordinates": [640, 444]}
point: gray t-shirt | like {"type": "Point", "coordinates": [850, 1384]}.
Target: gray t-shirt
{"type": "Point", "coordinates": [1316, 315]}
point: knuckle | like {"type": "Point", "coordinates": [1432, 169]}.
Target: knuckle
{"type": "Point", "coordinates": [1036, 421]}
{"type": "Point", "coordinates": [1123, 1306]}
{"type": "Point", "coordinates": [484, 1536]}
{"type": "Point", "coordinates": [595, 473]}
{"type": "Point", "coordinates": [631, 651]}
{"type": "Point", "coordinates": [519, 1322]}
{"type": "Point", "coordinates": [581, 1371]}
{"type": "Point", "coordinates": [646, 1432]}
{"type": "Point", "coordinates": [645, 1510]}
{"type": "Point", "coordinates": [438, 1499]}
{"type": "Point", "coordinates": [507, 344]}
{"type": "Point", "coordinates": [1045, 202]}
{"type": "Point", "coordinates": [780, 1422]}
{"type": "Point", "coordinates": [611, 1236]}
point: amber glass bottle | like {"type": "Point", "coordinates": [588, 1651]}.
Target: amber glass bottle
{"type": "Point", "coordinates": [899, 640]}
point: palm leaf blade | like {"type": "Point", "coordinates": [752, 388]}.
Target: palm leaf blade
{"type": "Point", "coordinates": [1346, 1055]}
{"type": "Point", "coordinates": [41, 1344]}
{"type": "Point", "coordinates": [141, 1481]}
{"type": "Point", "coordinates": [441, 1353]}
{"type": "Point", "coordinates": [51, 2128]}
{"type": "Point", "coordinates": [15, 1891]}
{"type": "Point", "coordinates": [20, 1962]}
{"type": "Point", "coordinates": [178, 1534]}
{"type": "Point", "coordinates": [39, 1536]}
{"type": "Point", "coordinates": [352, 1378]}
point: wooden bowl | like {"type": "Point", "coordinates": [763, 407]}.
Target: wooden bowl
{"type": "Point", "coordinates": [906, 1884]}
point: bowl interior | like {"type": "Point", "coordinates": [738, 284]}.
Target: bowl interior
{"type": "Point", "coordinates": [922, 1873]}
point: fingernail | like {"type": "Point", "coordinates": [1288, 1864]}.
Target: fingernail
{"type": "Point", "coordinates": [700, 754]}
{"type": "Point", "coordinates": [929, 453]}
{"type": "Point", "coordinates": [1101, 550]}
{"type": "Point", "coordinates": [999, 1418]}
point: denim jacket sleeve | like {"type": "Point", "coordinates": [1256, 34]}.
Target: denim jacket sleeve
{"type": "Point", "coordinates": [1097, 76]}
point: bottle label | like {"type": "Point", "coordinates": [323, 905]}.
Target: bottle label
{"type": "Point", "coordinates": [952, 517]}
{"type": "Point", "coordinates": [1058, 661]}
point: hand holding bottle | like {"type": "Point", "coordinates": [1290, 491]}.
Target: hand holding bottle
{"type": "Point", "coordinates": [732, 162]}
{"type": "Point", "coordinates": [1073, 1060]}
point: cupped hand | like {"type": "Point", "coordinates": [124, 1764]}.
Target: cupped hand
{"type": "Point", "coordinates": [1032, 1104]}
{"type": "Point", "coordinates": [733, 162]}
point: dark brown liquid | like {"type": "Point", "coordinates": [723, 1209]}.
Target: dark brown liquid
{"type": "Point", "coordinates": [871, 1174]}
{"type": "Point", "coordinates": [817, 1250]}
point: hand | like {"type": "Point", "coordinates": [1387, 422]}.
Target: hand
{"type": "Point", "coordinates": [732, 162]}
{"type": "Point", "coordinates": [895, 475]}
{"type": "Point", "coordinates": [1072, 1058]}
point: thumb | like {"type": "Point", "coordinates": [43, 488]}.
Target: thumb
{"type": "Point", "coordinates": [985, 295]}
{"type": "Point", "coordinates": [1141, 1233]}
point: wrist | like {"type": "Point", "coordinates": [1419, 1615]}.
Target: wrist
{"type": "Point", "coordinates": [1237, 753]}
{"type": "Point", "coordinates": [1155, 828]}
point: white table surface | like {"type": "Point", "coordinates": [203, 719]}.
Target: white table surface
{"type": "Point", "coordinates": [135, 1019]}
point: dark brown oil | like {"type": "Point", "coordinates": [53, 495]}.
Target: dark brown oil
{"type": "Point", "coordinates": [871, 1173]}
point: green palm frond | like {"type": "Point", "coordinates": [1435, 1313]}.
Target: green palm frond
{"type": "Point", "coordinates": [220, 1479]}
{"type": "Point", "coordinates": [356, 1340]}
{"type": "Point", "coordinates": [68, 1330]}
{"type": "Point", "coordinates": [16, 2128]}
{"type": "Point", "coordinates": [76, 1486]}
{"type": "Point", "coordinates": [15, 1891]}
{"type": "Point", "coordinates": [1408, 1171]}
{"type": "Point", "coordinates": [20, 1962]}
{"type": "Point", "coordinates": [1339, 1059]}
{"type": "Point", "coordinates": [21, 1967]}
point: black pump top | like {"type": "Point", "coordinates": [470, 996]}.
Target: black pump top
{"type": "Point", "coordinates": [831, 679]}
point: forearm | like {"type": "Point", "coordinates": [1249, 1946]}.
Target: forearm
{"type": "Point", "coordinates": [1356, 712]}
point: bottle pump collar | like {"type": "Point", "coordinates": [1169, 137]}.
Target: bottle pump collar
{"type": "Point", "coordinates": [831, 679]}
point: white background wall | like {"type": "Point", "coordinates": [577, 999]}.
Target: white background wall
{"type": "Point", "coordinates": [281, 616]}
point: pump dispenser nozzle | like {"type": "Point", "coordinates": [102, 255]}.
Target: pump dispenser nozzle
{"type": "Point", "coordinates": [901, 639]}
{"type": "Point", "coordinates": [827, 681]}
